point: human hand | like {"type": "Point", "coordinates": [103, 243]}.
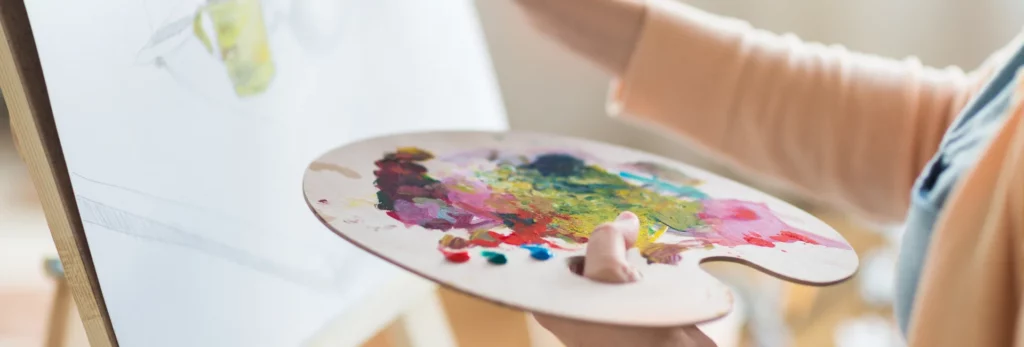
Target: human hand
{"type": "Point", "coordinates": [605, 261]}
{"type": "Point", "coordinates": [603, 31]}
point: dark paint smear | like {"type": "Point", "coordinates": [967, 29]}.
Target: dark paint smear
{"type": "Point", "coordinates": [557, 165]}
{"type": "Point", "coordinates": [400, 178]}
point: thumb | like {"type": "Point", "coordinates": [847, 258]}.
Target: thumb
{"type": "Point", "coordinates": [606, 250]}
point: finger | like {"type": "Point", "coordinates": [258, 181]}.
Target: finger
{"type": "Point", "coordinates": [606, 250]}
{"type": "Point", "coordinates": [631, 227]}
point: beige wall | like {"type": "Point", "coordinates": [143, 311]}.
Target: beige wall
{"type": "Point", "coordinates": [546, 88]}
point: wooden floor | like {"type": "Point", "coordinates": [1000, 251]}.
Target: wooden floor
{"type": "Point", "coordinates": [814, 313]}
{"type": "Point", "coordinates": [477, 323]}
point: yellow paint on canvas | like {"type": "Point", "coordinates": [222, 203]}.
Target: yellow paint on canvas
{"type": "Point", "coordinates": [241, 42]}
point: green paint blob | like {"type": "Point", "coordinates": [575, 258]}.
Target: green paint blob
{"type": "Point", "coordinates": [570, 199]}
{"type": "Point", "coordinates": [497, 259]}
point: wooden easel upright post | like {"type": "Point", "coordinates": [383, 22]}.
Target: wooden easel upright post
{"type": "Point", "coordinates": [35, 136]}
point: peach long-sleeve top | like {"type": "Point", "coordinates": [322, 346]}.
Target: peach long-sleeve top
{"type": "Point", "coordinates": [856, 130]}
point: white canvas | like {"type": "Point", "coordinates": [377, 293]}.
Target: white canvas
{"type": "Point", "coordinates": [190, 192]}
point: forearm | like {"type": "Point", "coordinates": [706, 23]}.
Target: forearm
{"type": "Point", "coordinates": [603, 31]}
{"type": "Point", "coordinates": [851, 128]}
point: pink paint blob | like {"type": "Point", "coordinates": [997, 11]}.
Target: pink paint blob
{"type": "Point", "coordinates": [736, 222]}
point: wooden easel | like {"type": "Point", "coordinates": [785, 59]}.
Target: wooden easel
{"type": "Point", "coordinates": [35, 136]}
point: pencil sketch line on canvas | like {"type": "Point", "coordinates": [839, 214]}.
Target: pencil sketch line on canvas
{"type": "Point", "coordinates": [131, 224]}
{"type": "Point", "coordinates": [144, 228]}
{"type": "Point", "coordinates": [139, 192]}
{"type": "Point", "coordinates": [147, 195]}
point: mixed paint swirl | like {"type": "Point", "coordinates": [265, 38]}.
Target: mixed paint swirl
{"type": "Point", "coordinates": [556, 199]}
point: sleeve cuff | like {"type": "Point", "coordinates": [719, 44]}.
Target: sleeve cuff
{"type": "Point", "coordinates": [618, 98]}
{"type": "Point", "coordinates": [645, 57]}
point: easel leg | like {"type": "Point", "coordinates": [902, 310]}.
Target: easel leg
{"type": "Point", "coordinates": [59, 312]}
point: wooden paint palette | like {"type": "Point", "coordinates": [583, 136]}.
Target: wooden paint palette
{"type": "Point", "coordinates": [428, 201]}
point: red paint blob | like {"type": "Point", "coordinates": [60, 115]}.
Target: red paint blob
{"type": "Point", "coordinates": [457, 257]}
{"type": "Point", "coordinates": [515, 240]}
{"type": "Point", "coordinates": [756, 240]}
{"type": "Point", "coordinates": [323, 201]}
{"type": "Point", "coordinates": [789, 236]}
{"type": "Point", "coordinates": [494, 239]}
{"type": "Point", "coordinates": [744, 214]}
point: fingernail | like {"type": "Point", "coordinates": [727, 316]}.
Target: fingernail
{"type": "Point", "coordinates": [634, 275]}
{"type": "Point", "coordinates": [626, 216]}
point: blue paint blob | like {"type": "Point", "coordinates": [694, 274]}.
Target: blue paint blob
{"type": "Point", "coordinates": [538, 252]}
{"type": "Point", "coordinates": [541, 254]}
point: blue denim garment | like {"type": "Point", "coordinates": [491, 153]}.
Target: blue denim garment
{"type": "Point", "coordinates": [959, 150]}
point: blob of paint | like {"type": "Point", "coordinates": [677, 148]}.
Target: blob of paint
{"type": "Point", "coordinates": [498, 259]}
{"type": "Point", "coordinates": [538, 252]}
{"type": "Point", "coordinates": [541, 254]}
{"type": "Point", "coordinates": [756, 240]}
{"type": "Point", "coordinates": [494, 257]}
{"type": "Point", "coordinates": [457, 257]}
{"type": "Point", "coordinates": [789, 236]}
